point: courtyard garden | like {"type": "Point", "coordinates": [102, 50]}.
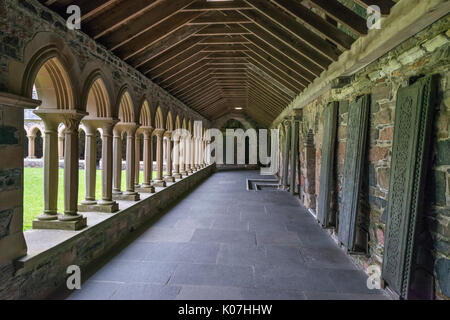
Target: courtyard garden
{"type": "Point", "coordinates": [34, 198]}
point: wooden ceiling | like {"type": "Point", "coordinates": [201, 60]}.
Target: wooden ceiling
{"type": "Point", "coordinates": [216, 56]}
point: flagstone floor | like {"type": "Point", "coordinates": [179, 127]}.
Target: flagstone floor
{"type": "Point", "coordinates": [224, 242]}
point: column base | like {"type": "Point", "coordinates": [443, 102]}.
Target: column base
{"type": "Point", "coordinates": [160, 183]}
{"type": "Point", "coordinates": [169, 179]}
{"type": "Point", "coordinates": [127, 197]}
{"type": "Point", "coordinates": [60, 225]}
{"type": "Point", "coordinates": [177, 176]}
{"type": "Point", "coordinates": [184, 174]}
{"type": "Point", "coordinates": [89, 202]}
{"type": "Point", "coordinates": [104, 208]}
{"type": "Point", "coordinates": [146, 189]}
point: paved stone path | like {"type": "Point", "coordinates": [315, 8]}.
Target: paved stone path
{"type": "Point", "coordinates": [224, 242]}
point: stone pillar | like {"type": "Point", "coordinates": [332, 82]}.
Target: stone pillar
{"type": "Point", "coordinates": [294, 153]}
{"type": "Point", "coordinates": [12, 240]}
{"type": "Point", "coordinates": [183, 161]}
{"type": "Point", "coordinates": [61, 146]}
{"type": "Point", "coordinates": [169, 177]}
{"type": "Point", "coordinates": [146, 186]}
{"type": "Point", "coordinates": [130, 193]}
{"type": "Point", "coordinates": [107, 204]}
{"type": "Point", "coordinates": [50, 163]}
{"type": "Point", "coordinates": [176, 157]}
{"type": "Point", "coordinates": [90, 163]}
{"type": "Point", "coordinates": [287, 148]}
{"type": "Point", "coordinates": [192, 162]}
{"type": "Point", "coordinates": [32, 147]}
{"type": "Point", "coordinates": [71, 217]}
{"type": "Point", "coordinates": [310, 162]}
{"type": "Point", "coordinates": [138, 160]}
{"type": "Point", "coordinates": [117, 162]}
{"type": "Point", "coordinates": [159, 182]}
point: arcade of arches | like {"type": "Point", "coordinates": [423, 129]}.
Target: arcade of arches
{"type": "Point", "coordinates": [361, 119]}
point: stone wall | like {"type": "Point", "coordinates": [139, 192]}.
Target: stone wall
{"type": "Point", "coordinates": [40, 274]}
{"type": "Point", "coordinates": [424, 54]}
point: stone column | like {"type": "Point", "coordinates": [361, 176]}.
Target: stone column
{"type": "Point", "coordinates": [32, 147]}
{"type": "Point", "coordinates": [146, 186]}
{"type": "Point", "coordinates": [310, 162]}
{"type": "Point", "coordinates": [130, 193]}
{"type": "Point", "coordinates": [183, 152]}
{"type": "Point", "coordinates": [50, 163]}
{"type": "Point", "coordinates": [138, 159]}
{"type": "Point", "coordinates": [12, 240]}
{"type": "Point", "coordinates": [71, 169]}
{"type": "Point", "coordinates": [176, 157]}
{"type": "Point", "coordinates": [159, 182]}
{"type": "Point", "coordinates": [61, 146]}
{"type": "Point", "coordinates": [192, 162]}
{"type": "Point", "coordinates": [117, 162]}
{"type": "Point", "coordinates": [169, 177]}
{"type": "Point", "coordinates": [107, 204]}
{"type": "Point", "coordinates": [90, 163]}
{"type": "Point", "coordinates": [294, 153]}
{"type": "Point", "coordinates": [287, 148]}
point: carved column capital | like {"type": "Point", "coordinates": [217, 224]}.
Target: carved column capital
{"type": "Point", "coordinates": [159, 132]}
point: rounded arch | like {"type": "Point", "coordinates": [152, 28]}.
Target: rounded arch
{"type": "Point", "coordinates": [33, 130]}
{"type": "Point", "coordinates": [53, 86]}
{"type": "Point", "coordinates": [159, 119]}
{"type": "Point", "coordinates": [49, 55]}
{"type": "Point", "coordinates": [96, 97]}
{"type": "Point", "coordinates": [126, 109]}
{"type": "Point", "coordinates": [145, 118]}
{"type": "Point", "coordinates": [177, 122]}
{"type": "Point", "coordinates": [169, 122]}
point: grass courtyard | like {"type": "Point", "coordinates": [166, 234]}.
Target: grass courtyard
{"type": "Point", "coordinates": [33, 201]}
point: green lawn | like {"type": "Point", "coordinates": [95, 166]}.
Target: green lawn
{"type": "Point", "coordinates": [33, 201]}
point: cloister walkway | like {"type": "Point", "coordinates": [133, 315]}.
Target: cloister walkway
{"type": "Point", "coordinates": [224, 242]}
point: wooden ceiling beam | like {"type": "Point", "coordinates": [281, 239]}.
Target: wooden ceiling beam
{"type": "Point", "coordinates": [222, 30]}
{"type": "Point", "coordinates": [185, 65]}
{"type": "Point", "coordinates": [160, 48]}
{"type": "Point", "coordinates": [169, 64]}
{"type": "Point", "coordinates": [123, 12]}
{"type": "Point", "coordinates": [262, 74]}
{"type": "Point", "coordinates": [385, 5]}
{"type": "Point", "coordinates": [289, 86]}
{"type": "Point", "coordinates": [163, 11]}
{"type": "Point", "coordinates": [267, 52]}
{"type": "Point", "coordinates": [282, 48]}
{"type": "Point", "coordinates": [279, 68]}
{"type": "Point", "coordinates": [289, 45]}
{"type": "Point", "coordinates": [268, 86]}
{"type": "Point", "coordinates": [193, 69]}
{"type": "Point", "coordinates": [306, 37]}
{"type": "Point", "coordinates": [316, 22]}
{"type": "Point", "coordinates": [171, 54]}
{"type": "Point", "coordinates": [224, 40]}
{"type": "Point", "coordinates": [344, 15]}
{"type": "Point", "coordinates": [220, 17]}
{"type": "Point", "coordinates": [217, 5]}
{"type": "Point", "coordinates": [130, 48]}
